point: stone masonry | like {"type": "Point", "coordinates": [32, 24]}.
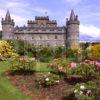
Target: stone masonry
{"type": "Point", "coordinates": [43, 31]}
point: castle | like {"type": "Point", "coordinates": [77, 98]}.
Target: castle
{"type": "Point", "coordinates": [43, 31]}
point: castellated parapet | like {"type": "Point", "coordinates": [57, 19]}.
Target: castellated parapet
{"type": "Point", "coordinates": [43, 31]}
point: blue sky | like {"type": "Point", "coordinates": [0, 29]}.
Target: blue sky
{"type": "Point", "coordinates": [87, 10]}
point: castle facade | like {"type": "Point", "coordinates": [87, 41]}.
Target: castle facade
{"type": "Point", "coordinates": [43, 31]}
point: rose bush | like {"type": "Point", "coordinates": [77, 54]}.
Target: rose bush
{"type": "Point", "coordinates": [86, 91]}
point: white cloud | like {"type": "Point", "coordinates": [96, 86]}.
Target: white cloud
{"type": "Point", "coordinates": [19, 20]}
{"type": "Point", "coordinates": [73, 2]}
{"type": "Point", "coordinates": [14, 4]}
{"type": "Point", "coordinates": [90, 30]}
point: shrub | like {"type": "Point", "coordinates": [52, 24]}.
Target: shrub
{"type": "Point", "coordinates": [22, 64]}
{"type": "Point", "coordinates": [85, 70]}
{"type": "Point", "coordinates": [6, 50]}
{"type": "Point", "coordinates": [44, 59]}
{"type": "Point", "coordinates": [86, 91]}
{"type": "Point", "coordinates": [23, 47]}
{"type": "Point", "coordinates": [47, 80]}
{"type": "Point", "coordinates": [60, 65]}
{"type": "Point", "coordinates": [74, 54]}
{"type": "Point", "coordinates": [95, 51]}
{"type": "Point", "coordinates": [49, 53]}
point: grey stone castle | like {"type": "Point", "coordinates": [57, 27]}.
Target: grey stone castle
{"type": "Point", "coordinates": [43, 31]}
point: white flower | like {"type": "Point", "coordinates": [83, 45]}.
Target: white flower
{"type": "Point", "coordinates": [47, 79]}
{"type": "Point", "coordinates": [81, 92]}
{"type": "Point", "coordinates": [75, 91]}
{"type": "Point", "coordinates": [82, 87]}
{"type": "Point", "coordinates": [89, 91]}
{"type": "Point", "coordinates": [57, 81]}
{"type": "Point", "coordinates": [48, 72]}
{"type": "Point", "coordinates": [45, 75]}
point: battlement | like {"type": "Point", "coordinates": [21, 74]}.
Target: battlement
{"type": "Point", "coordinates": [38, 30]}
{"type": "Point", "coordinates": [6, 22]}
{"type": "Point", "coordinates": [42, 18]}
{"type": "Point", "coordinates": [42, 21]}
{"type": "Point", "coordinates": [73, 19]}
{"type": "Point", "coordinates": [43, 31]}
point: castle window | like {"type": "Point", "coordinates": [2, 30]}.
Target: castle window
{"type": "Point", "coordinates": [40, 37]}
{"type": "Point", "coordinates": [48, 36]}
{"type": "Point", "coordinates": [48, 44]}
{"type": "Point", "coordinates": [56, 37]}
{"type": "Point", "coordinates": [17, 37]}
{"type": "Point", "coordinates": [32, 37]}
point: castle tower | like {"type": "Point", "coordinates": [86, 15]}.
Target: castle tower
{"type": "Point", "coordinates": [72, 30]}
{"type": "Point", "coordinates": [7, 27]}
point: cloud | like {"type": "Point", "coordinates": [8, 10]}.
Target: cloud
{"type": "Point", "coordinates": [89, 33]}
{"type": "Point", "coordinates": [90, 30]}
{"type": "Point", "coordinates": [19, 20]}
{"type": "Point", "coordinates": [73, 2]}
{"type": "Point", "coordinates": [16, 4]}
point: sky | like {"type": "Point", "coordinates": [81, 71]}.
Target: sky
{"type": "Point", "coordinates": [88, 12]}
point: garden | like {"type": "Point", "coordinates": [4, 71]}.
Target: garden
{"type": "Point", "coordinates": [30, 72]}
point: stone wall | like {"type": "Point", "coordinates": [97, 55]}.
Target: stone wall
{"type": "Point", "coordinates": [42, 39]}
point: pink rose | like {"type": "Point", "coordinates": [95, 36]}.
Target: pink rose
{"type": "Point", "coordinates": [97, 66]}
{"type": "Point", "coordinates": [73, 65]}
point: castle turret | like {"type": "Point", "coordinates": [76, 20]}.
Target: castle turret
{"type": "Point", "coordinates": [72, 30]}
{"type": "Point", "coordinates": [7, 27]}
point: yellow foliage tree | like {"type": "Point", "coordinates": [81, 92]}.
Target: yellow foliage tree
{"type": "Point", "coordinates": [6, 50]}
{"type": "Point", "coordinates": [95, 51]}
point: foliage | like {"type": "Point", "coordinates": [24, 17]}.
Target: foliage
{"type": "Point", "coordinates": [74, 54]}
{"type": "Point", "coordinates": [95, 51]}
{"type": "Point", "coordinates": [0, 34]}
{"type": "Point", "coordinates": [7, 90]}
{"type": "Point", "coordinates": [22, 64]}
{"type": "Point", "coordinates": [50, 52]}
{"type": "Point", "coordinates": [60, 65]}
{"type": "Point", "coordinates": [6, 50]}
{"type": "Point", "coordinates": [84, 45]}
{"type": "Point", "coordinates": [42, 53]}
{"type": "Point", "coordinates": [47, 80]}
{"type": "Point", "coordinates": [85, 70]}
{"type": "Point", "coordinates": [86, 91]}
{"type": "Point", "coordinates": [23, 47]}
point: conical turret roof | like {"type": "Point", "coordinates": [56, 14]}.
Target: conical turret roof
{"type": "Point", "coordinates": [72, 15]}
{"type": "Point", "coordinates": [8, 18]}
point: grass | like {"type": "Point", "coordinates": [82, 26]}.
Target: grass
{"type": "Point", "coordinates": [42, 67]}
{"type": "Point", "coordinates": [7, 90]}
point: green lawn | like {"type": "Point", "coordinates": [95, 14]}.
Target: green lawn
{"type": "Point", "coordinates": [42, 67]}
{"type": "Point", "coordinates": [9, 92]}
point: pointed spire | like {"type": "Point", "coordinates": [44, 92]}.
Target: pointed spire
{"type": "Point", "coordinates": [8, 18]}
{"type": "Point", "coordinates": [72, 15]}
